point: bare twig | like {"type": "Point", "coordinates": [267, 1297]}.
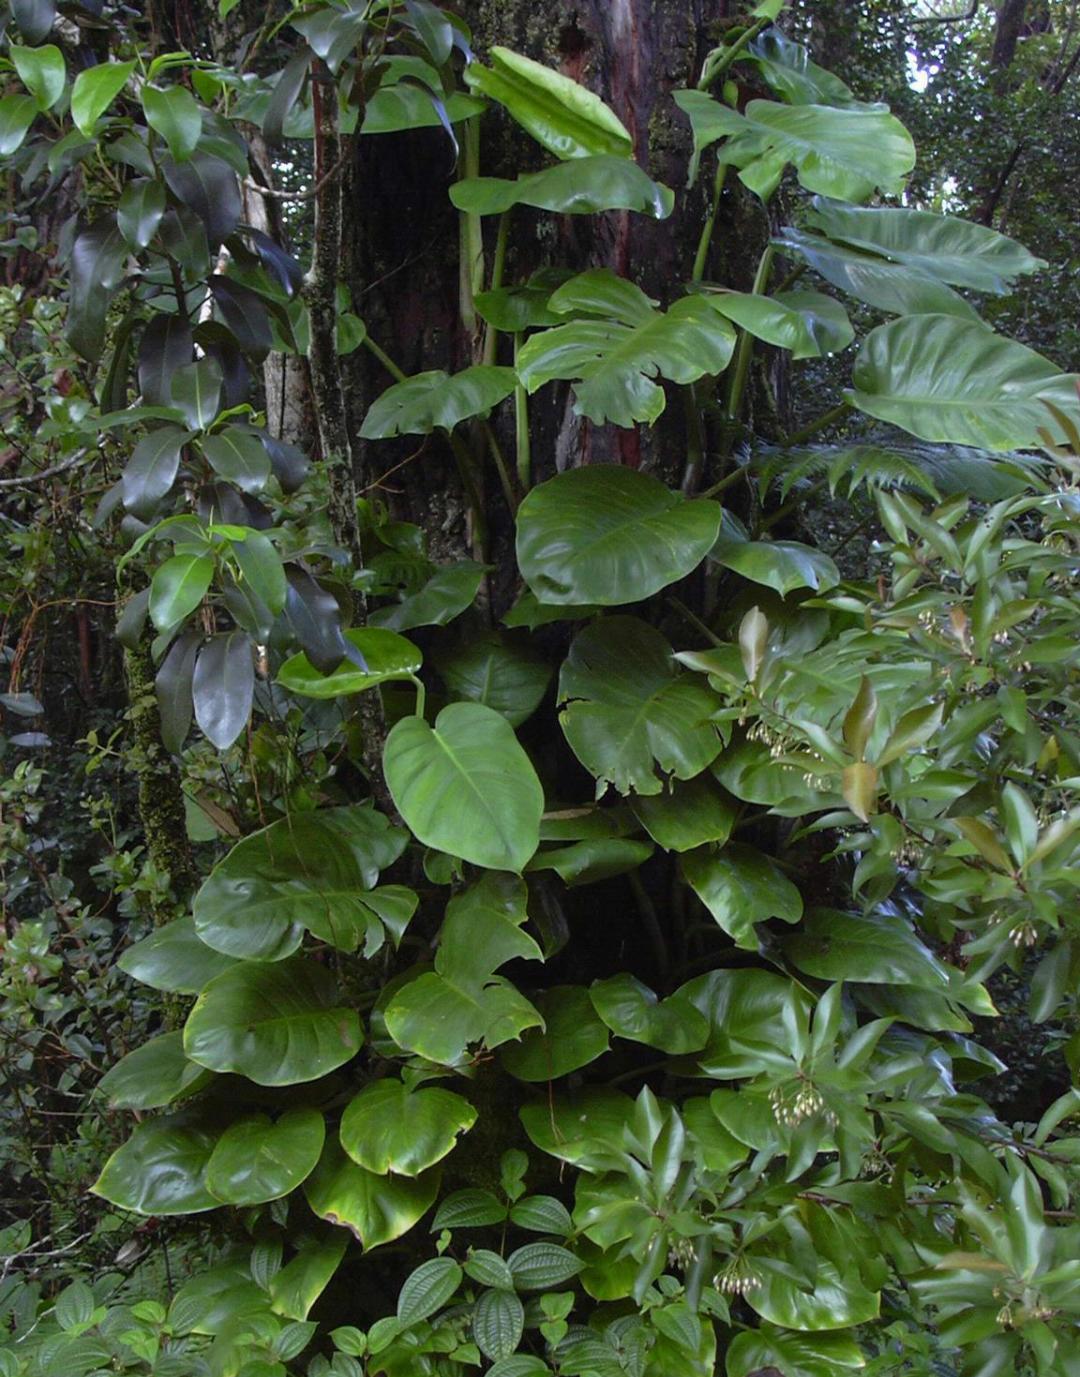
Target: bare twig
{"type": "Point", "coordinates": [31, 480]}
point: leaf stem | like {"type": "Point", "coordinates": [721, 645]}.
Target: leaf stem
{"type": "Point", "coordinates": [500, 465]}
{"type": "Point", "coordinates": [398, 374]}
{"type": "Point", "coordinates": [421, 695]}
{"type": "Point", "coordinates": [728, 481]}
{"type": "Point", "coordinates": [812, 427]}
{"type": "Point", "coordinates": [471, 241]}
{"type": "Point", "coordinates": [745, 346]}
{"type": "Point", "coordinates": [521, 426]}
{"type": "Point", "coordinates": [498, 265]}
{"type": "Point", "coordinates": [727, 56]}
{"type": "Point", "coordinates": [705, 241]}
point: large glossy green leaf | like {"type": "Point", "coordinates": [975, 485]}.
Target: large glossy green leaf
{"type": "Point", "coordinates": [34, 17]}
{"type": "Point", "coordinates": [877, 949]}
{"type": "Point", "coordinates": [583, 186]}
{"type": "Point", "coordinates": [781, 564]}
{"type": "Point", "coordinates": [954, 250]}
{"type": "Point", "coordinates": [96, 269]}
{"type": "Point", "coordinates": [836, 1301]}
{"type": "Point", "coordinates": [41, 70]}
{"type": "Point", "coordinates": [466, 786]}
{"type": "Point", "coordinates": [628, 711]}
{"type": "Point", "coordinates": [375, 1209]}
{"type": "Point", "coordinates": [300, 1283]}
{"type": "Point", "coordinates": [559, 113]}
{"type": "Point", "coordinates": [615, 354]}
{"type": "Point", "coordinates": [159, 1170]}
{"type": "Point", "coordinates": [173, 958]}
{"type": "Point", "coordinates": [788, 325]}
{"type": "Point", "coordinates": [177, 588]}
{"type": "Point", "coordinates": [587, 1129]}
{"type": "Point", "coordinates": [847, 153]}
{"type": "Point", "coordinates": [17, 114]}
{"type": "Point", "coordinates": [440, 1013]}
{"type": "Point", "coordinates": [941, 378]}
{"type": "Point", "coordinates": [277, 1024]}
{"type": "Point", "coordinates": [94, 90]}
{"type": "Point", "coordinates": [314, 870]}
{"type": "Point", "coordinates": [631, 1010]}
{"type": "Point", "coordinates": [139, 212]}
{"type": "Point", "coordinates": [687, 814]}
{"type": "Point", "coordinates": [155, 1074]}
{"type": "Point", "coordinates": [608, 535]}
{"type": "Point", "coordinates": [450, 590]}
{"type": "Point", "coordinates": [257, 1159]}
{"type": "Point", "coordinates": [386, 654]}
{"type": "Point", "coordinates": [500, 670]}
{"type": "Point", "coordinates": [573, 1035]}
{"type": "Point", "coordinates": [787, 67]}
{"type": "Point", "coordinates": [173, 113]}
{"type": "Point", "coordinates": [592, 859]}
{"type": "Point", "coordinates": [223, 686]}
{"type": "Point", "coordinates": [898, 288]}
{"type": "Point", "coordinates": [239, 456]}
{"type": "Point", "coordinates": [388, 1127]}
{"type": "Point", "coordinates": [151, 471]}
{"type": "Point", "coordinates": [796, 1355]}
{"type": "Point", "coordinates": [757, 1020]}
{"type": "Point", "coordinates": [741, 886]}
{"type": "Point", "coordinates": [436, 400]}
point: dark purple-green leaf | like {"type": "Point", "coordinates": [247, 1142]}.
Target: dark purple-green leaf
{"type": "Point", "coordinates": [166, 346]}
{"type": "Point", "coordinates": [152, 469]}
{"type": "Point", "coordinates": [209, 187]}
{"type": "Point", "coordinates": [244, 312]}
{"type": "Point", "coordinates": [173, 688]}
{"type": "Point", "coordinates": [223, 687]}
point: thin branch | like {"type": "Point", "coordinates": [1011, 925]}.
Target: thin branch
{"type": "Point", "coordinates": [43, 477]}
{"type": "Point", "coordinates": [307, 195]}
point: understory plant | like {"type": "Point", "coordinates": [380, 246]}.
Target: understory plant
{"type": "Point", "coordinates": [595, 982]}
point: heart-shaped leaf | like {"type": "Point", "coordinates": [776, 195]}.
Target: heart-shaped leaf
{"type": "Point", "coordinates": [781, 564]}
{"type": "Point", "coordinates": [631, 1010]}
{"type": "Point", "coordinates": [41, 70]}
{"type": "Point", "coordinates": [314, 870]}
{"type": "Point", "coordinates": [615, 354]}
{"type": "Point", "coordinates": [691, 814]}
{"type": "Point", "coordinates": [466, 786]}
{"type": "Point", "coordinates": [389, 1128]}
{"type": "Point", "coordinates": [789, 324]}
{"type": "Point", "coordinates": [159, 1170]}
{"type": "Point", "coordinates": [572, 1036]}
{"type": "Point", "coordinates": [257, 1159]}
{"type": "Point", "coordinates": [173, 958]}
{"type": "Point", "coordinates": [277, 1024]}
{"type": "Point", "coordinates": [376, 1209]}
{"type": "Point", "coordinates": [627, 709]}
{"type": "Point", "coordinates": [498, 670]}
{"type": "Point", "coordinates": [153, 1075]}
{"type": "Point", "coordinates": [607, 535]}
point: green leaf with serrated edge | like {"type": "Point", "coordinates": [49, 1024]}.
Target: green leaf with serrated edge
{"type": "Point", "coordinates": [607, 536]}
{"type": "Point", "coordinates": [449, 592]}
{"type": "Point", "coordinates": [436, 400]}
{"type": "Point", "coordinates": [896, 288]}
{"type": "Point", "coordinates": [375, 1209]}
{"type": "Point", "coordinates": [94, 90]}
{"type": "Point", "coordinates": [620, 345]}
{"type": "Point", "coordinates": [276, 1024]}
{"type": "Point", "coordinates": [174, 959]}
{"type": "Point", "coordinates": [583, 186]}
{"type": "Point", "coordinates": [387, 655]}
{"type": "Point", "coordinates": [428, 1289]}
{"type": "Point", "coordinates": [953, 380]}
{"type": "Point", "coordinates": [177, 588]}
{"type": "Point", "coordinates": [541, 1214]}
{"type": "Point", "coordinates": [465, 786]}
{"type": "Point", "coordinates": [631, 1010]}
{"type": "Point", "coordinates": [559, 113]}
{"type": "Point", "coordinates": [627, 710]}
{"type": "Point", "coordinates": [876, 949]}
{"type": "Point", "coordinates": [174, 114]}
{"type": "Point", "coordinates": [153, 1075]}
{"type": "Point", "coordinates": [316, 870]}
{"type": "Point", "coordinates": [572, 1036]}
{"type": "Point", "coordinates": [689, 814]}
{"type": "Point", "coordinates": [257, 1159]}
{"type": "Point", "coordinates": [741, 886]}
{"type": "Point", "coordinates": [954, 250]}
{"type": "Point", "coordinates": [540, 1266]}
{"type": "Point", "coordinates": [41, 70]}
{"type": "Point", "coordinates": [387, 1127]}
{"type": "Point", "coordinates": [159, 1170]}
{"type": "Point", "coordinates": [472, 1208]}
{"type": "Point", "coordinates": [784, 565]}
{"type": "Point", "coordinates": [300, 1283]}
{"type": "Point", "coordinates": [498, 1323]}
{"type": "Point", "coordinates": [499, 670]}
{"type": "Point", "coordinates": [846, 153]}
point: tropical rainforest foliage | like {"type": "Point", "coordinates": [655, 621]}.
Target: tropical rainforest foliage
{"type": "Point", "coordinates": [549, 917]}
